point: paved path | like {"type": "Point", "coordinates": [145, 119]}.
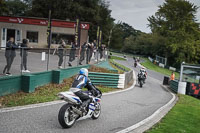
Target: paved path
{"type": "Point", "coordinates": [119, 111]}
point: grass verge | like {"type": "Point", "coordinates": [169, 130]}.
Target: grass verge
{"type": "Point", "coordinates": [46, 93]}
{"type": "Point", "coordinates": [122, 66]}
{"type": "Point", "coordinates": [183, 118]}
{"type": "Point", "coordinates": [151, 66]}
{"type": "Point", "coordinates": [117, 58]}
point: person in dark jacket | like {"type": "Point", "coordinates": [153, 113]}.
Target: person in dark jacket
{"type": "Point", "coordinates": [10, 55]}
{"type": "Point", "coordinates": [72, 54]}
{"type": "Point", "coordinates": [82, 53]}
{"type": "Point", "coordinates": [24, 54]}
{"type": "Point", "coordinates": [89, 53]}
{"type": "Point", "coordinates": [61, 53]}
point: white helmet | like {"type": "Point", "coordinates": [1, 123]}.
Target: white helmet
{"type": "Point", "coordinates": [83, 71]}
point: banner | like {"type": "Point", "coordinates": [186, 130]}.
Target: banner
{"type": "Point", "coordinates": [100, 38]}
{"type": "Point", "coordinates": [98, 29]}
{"type": "Point", "coordinates": [77, 33]}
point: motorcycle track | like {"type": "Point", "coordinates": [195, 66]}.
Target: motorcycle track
{"type": "Point", "coordinates": [119, 110]}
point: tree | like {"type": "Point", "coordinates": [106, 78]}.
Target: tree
{"type": "Point", "coordinates": [16, 7]}
{"type": "Point", "coordinates": [175, 21]}
{"type": "Point", "coordinates": [121, 32]}
{"type": "Point", "coordinates": [3, 7]}
{"type": "Point", "coordinates": [94, 11]}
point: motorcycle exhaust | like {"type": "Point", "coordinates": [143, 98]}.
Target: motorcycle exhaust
{"type": "Point", "coordinates": [77, 111]}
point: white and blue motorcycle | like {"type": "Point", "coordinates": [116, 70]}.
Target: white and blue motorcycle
{"type": "Point", "coordinates": [72, 111]}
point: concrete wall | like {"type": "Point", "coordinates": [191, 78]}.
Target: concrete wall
{"type": "Point", "coordinates": [42, 32]}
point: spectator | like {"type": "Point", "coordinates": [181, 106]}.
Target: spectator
{"type": "Point", "coordinates": [10, 55]}
{"type": "Point", "coordinates": [89, 53]}
{"type": "Point", "coordinates": [101, 52]}
{"type": "Point", "coordinates": [61, 53]}
{"type": "Point", "coordinates": [82, 54]}
{"type": "Point", "coordinates": [72, 54]}
{"type": "Point", "coordinates": [172, 76]}
{"type": "Point", "coordinates": [24, 54]}
{"type": "Point", "coordinates": [95, 50]}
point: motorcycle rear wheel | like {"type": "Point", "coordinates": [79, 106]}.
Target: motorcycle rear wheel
{"type": "Point", "coordinates": [65, 116]}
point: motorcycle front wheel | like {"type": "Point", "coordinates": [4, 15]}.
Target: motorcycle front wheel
{"type": "Point", "coordinates": [66, 116]}
{"type": "Point", "coordinates": [140, 83]}
{"type": "Point", "coordinates": [97, 111]}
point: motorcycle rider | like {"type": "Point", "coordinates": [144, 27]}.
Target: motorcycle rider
{"type": "Point", "coordinates": [82, 81]}
{"type": "Point", "coordinates": [143, 72]}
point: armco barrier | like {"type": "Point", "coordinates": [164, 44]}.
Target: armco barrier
{"type": "Point", "coordinates": [172, 68]}
{"type": "Point", "coordinates": [108, 79]}
{"type": "Point", "coordinates": [161, 65]}
{"type": "Point", "coordinates": [174, 86]}
{"type": "Point", "coordinates": [29, 82]}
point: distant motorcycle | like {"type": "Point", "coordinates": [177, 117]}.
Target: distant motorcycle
{"type": "Point", "coordinates": [72, 110]}
{"type": "Point", "coordinates": [135, 64]}
{"type": "Point", "coordinates": [141, 79]}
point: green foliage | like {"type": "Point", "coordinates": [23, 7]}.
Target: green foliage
{"type": "Point", "coordinates": [175, 21]}
{"type": "Point", "coordinates": [121, 32]}
{"type": "Point", "coordinates": [3, 7]}
{"type": "Point", "coordinates": [94, 11]}
{"type": "Point", "coordinates": [183, 118]}
{"type": "Point", "coordinates": [156, 68]}
{"type": "Point", "coordinates": [175, 34]}
{"type": "Point", "coordinates": [16, 7]}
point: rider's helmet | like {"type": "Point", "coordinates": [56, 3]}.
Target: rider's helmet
{"type": "Point", "coordinates": [83, 71]}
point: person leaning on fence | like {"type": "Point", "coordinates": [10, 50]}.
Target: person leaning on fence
{"type": "Point", "coordinates": [72, 54]}
{"type": "Point", "coordinates": [172, 77]}
{"type": "Point", "coordinates": [10, 55]}
{"type": "Point", "coordinates": [24, 53]}
{"type": "Point", "coordinates": [61, 53]}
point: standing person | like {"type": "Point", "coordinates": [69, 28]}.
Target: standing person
{"type": "Point", "coordinates": [92, 50]}
{"type": "Point", "coordinates": [82, 57]}
{"type": "Point", "coordinates": [61, 53]}
{"type": "Point", "coordinates": [72, 54]}
{"type": "Point", "coordinates": [95, 50]}
{"type": "Point", "coordinates": [89, 49]}
{"type": "Point", "coordinates": [10, 55]}
{"type": "Point", "coordinates": [24, 54]}
{"type": "Point", "coordinates": [101, 52]}
{"type": "Point", "coordinates": [172, 77]}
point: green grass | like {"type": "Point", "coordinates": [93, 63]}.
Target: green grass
{"type": "Point", "coordinates": [42, 94]}
{"type": "Point", "coordinates": [183, 118]}
{"type": "Point", "coordinates": [117, 58]}
{"type": "Point", "coordinates": [122, 66]}
{"type": "Point", "coordinates": [151, 66]}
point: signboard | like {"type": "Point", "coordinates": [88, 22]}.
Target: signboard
{"type": "Point", "coordinates": [42, 22]}
{"type": "Point", "coordinates": [193, 89]}
{"type": "Point", "coordinates": [77, 32]}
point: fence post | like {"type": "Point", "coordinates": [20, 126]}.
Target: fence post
{"type": "Point", "coordinates": [22, 54]}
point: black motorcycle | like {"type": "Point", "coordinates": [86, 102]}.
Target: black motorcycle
{"type": "Point", "coordinates": [141, 79]}
{"type": "Point", "coordinates": [135, 64]}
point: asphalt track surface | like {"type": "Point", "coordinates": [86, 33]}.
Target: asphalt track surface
{"type": "Point", "coordinates": [119, 111]}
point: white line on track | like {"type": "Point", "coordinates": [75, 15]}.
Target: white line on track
{"type": "Point", "coordinates": [148, 118]}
